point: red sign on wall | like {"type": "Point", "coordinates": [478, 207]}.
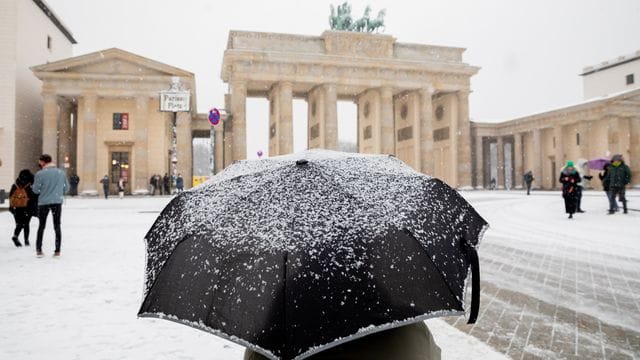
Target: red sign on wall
{"type": "Point", "coordinates": [125, 121]}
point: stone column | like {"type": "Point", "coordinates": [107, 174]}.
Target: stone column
{"type": "Point", "coordinates": [50, 126]}
{"type": "Point", "coordinates": [479, 162]}
{"type": "Point", "coordinates": [634, 146]}
{"type": "Point", "coordinates": [387, 128]}
{"type": "Point", "coordinates": [500, 181]}
{"type": "Point", "coordinates": [624, 141]}
{"type": "Point", "coordinates": [559, 148]}
{"type": "Point", "coordinates": [537, 159]}
{"type": "Point", "coordinates": [141, 160]}
{"type": "Point", "coordinates": [330, 117]}
{"type": "Point", "coordinates": [426, 131]}
{"type": "Point", "coordinates": [464, 141]}
{"type": "Point", "coordinates": [219, 147]}
{"type": "Point", "coordinates": [238, 124]}
{"type": "Point", "coordinates": [87, 151]}
{"type": "Point", "coordinates": [64, 136]}
{"type": "Point", "coordinates": [285, 119]}
{"type": "Point", "coordinates": [585, 139]}
{"type": "Point", "coordinates": [74, 140]}
{"type": "Point", "coordinates": [453, 141]}
{"type": "Point", "coordinates": [517, 161]}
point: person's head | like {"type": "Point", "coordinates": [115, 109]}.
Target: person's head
{"type": "Point", "coordinates": [25, 176]}
{"type": "Point", "coordinates": [43, 160]}
{"type": "Point", "coordinates": [616, 160]}
{"type": "Point", "coordinates": [569, 164]}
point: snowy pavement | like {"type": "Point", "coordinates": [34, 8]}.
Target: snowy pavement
{"type": "Point", "coordinates": [84, 305]}
{"type": "Point", "coordinates": [555, 288]}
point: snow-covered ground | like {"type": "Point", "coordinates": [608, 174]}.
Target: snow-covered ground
{"type": "Point", "coordinates": [84, 305]}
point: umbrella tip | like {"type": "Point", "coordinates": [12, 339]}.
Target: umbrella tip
{"type": "Point", "coordinates": [302, 162]}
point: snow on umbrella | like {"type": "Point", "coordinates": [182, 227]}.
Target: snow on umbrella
{"type": "Point", "coordinates": [292, 255]}
{"type": "Point", "coordinates": [598, 163]}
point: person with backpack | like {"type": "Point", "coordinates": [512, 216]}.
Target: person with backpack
{"type": "Point", "coordinates": [51, 184]}
{"type": "Point", "coordinates": [23, 204]}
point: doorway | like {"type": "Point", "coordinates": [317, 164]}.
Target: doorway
{"type": "Point", "coordinates": [120, 167]}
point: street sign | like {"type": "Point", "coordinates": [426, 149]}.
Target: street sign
{"type": "Point", "coordinates": [174, 101]}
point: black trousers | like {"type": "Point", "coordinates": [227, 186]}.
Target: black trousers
{"type": "Point", "coordinates": [22, 218]}
{"type": "Point", "coordinates": [43, 212]}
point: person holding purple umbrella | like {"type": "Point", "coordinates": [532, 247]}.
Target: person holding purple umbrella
{"type": "Point", "coordinates": [619, 176]}
{"type": "Point", "coordinates": [605, 187]}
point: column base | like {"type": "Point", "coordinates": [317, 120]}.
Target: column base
{"type": "Point", "coordinates": [140, 192]}
{"type": "Point", "coordinates": [89, 193]}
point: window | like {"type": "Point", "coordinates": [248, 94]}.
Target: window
{"type": "Point", "coordinates": [48, 42]}
{"type": "Point", "coordinates": [630, 79]}
{"type": "Point", "coordinates": [578, 139]}
{"type": "Point", "coordinates": [119, 166]}
{"type": "Point", "coordinates": [120, 121]}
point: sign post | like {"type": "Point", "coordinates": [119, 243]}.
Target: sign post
{"type": "Point", "coordinates": [174, 100]}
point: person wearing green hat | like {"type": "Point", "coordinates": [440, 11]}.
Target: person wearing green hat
{"type": "Point", "coordinates": [570, 178]}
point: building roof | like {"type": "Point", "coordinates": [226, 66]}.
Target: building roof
{"type": "Point", "coordinates": [54, 19]}
{"type": "Point", "coordinates": [611, 63]}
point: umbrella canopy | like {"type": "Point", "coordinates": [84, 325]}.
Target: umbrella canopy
{"type": "Point", "coordinates": [296, 254]}
{"type": "Point", "coordinates": [598, 163]}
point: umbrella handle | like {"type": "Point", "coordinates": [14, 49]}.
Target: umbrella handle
{"type": "Point", "coordinates": [475, 283]}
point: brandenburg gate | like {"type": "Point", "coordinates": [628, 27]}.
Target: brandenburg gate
{"type": "Point", "coordinates": [412, 99]}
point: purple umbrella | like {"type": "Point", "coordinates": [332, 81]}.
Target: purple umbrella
{"type": "Point", "coordinates": [598, 163]}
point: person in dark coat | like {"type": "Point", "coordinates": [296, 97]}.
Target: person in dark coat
{"type": "Point", "coordinates": [154, 184]}
{"type": "Point", "coordinates": [409, 342]}
{"type": "Point", "coordinates": [179, 183]}
{"type": "Point", "coordinates": [166, 181]}
{"type": "Point", "coordinates": [22, 215]}
{"type": "Point", "coordinates": [605, 187]}
{"type": "Point", "coordinates": [74, 180]}
{"type": "Point", "coordinates": [570, 178]}
{"type": "Point", "coordinates": [528, 179]}
{"type": "Point", "coordinates": [618, 176]}
{"type": "Point", "coordinates": [105, 186]}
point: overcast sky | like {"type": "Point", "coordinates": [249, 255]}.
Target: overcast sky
{"type": "Point", "coordinates": [530, 53]}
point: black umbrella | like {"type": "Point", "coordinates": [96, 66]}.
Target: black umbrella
{"type": "Point", "coordinates": [293, 255]}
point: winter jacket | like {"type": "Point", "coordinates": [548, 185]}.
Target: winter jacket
{"type": "Point", "coordinates": [618, 176]}
{"type": "Point", "coordinates": [32, 204]}
{"type": "Point", "coordinates": [569, 180]}
{"type": "Point", "coordinates": [50, 184]}
{"type": "Point", "coordinates": [410, 342]}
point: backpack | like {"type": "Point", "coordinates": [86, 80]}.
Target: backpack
{"type": "Point", "coordinates": [19, 198]}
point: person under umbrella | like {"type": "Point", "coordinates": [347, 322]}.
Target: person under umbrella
{"type": "Point", "coordinates": [618, 177]}
{"type": "Point", "coordinates": [570, 178]}
{"type": "Point", "coordinates": [301, 255]}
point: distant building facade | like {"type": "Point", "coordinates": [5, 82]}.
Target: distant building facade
{"type": "Point", "coordinates": [30, 34]}
{"type": "Point", "coordinates": [606, 123]}
{"type": "Point", "coordinates": [102, 117]}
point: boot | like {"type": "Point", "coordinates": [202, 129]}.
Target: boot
{"type": "Point", "coordinates": [26, 242]}
{"type": "Point", "coordinates": [16, 242]}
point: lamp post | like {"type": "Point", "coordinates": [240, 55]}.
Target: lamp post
{"type": "Point", "coordinates": [174, 100]}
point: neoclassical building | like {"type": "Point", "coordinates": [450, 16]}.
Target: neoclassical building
{"type": "Point", "coordinates": [413, 100]}
{"type": "Point", "coordinates": [102, 117]}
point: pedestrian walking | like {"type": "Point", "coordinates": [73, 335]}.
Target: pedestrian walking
{"type": "Point", "coordinates": [605, 187]}
{"type": "Point", "coordinates": [528, 179]}
{"type": "Point", "coordinates": [166, 181]}
{"type": "Point", "coordinates": [159, 184]}
{"type": "Point", "coordinates": [179, 183]}
{"type": "Point", "coordinates": [51, 184]}
{"type": "Point", "coordinates": [618, 177]}
{"type": "Point", "coordinates": [105, 186]}
{"type": "Point", "coordinates": [74, 180]}
{"type": "Point", "coordinates": [121, 185]}
{"type": "Point", "coordinates": [23, 203]}
{"type": "Point", "coordinates": [492, 184]}
{"type": "Point", "coordinates": [570, 178]}
{"type": "Point", "coordinates": [152, 185]}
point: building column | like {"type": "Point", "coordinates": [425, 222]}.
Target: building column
{"type": "Point", "coordinates": [624, 140]}
{"type": "Point", "coordinates": [239, 122]}
{"type": "Point", "coordinates": [74, 139]}
{"type": "Point", "coordinates": [426, 131]}
{"type": "Point", "coordinates": [87, 147]}
{"type": "Point", "coordinates": [537, 158]}
{"type": "Point", "coordinates": [330, 117]}
{"type": "Point", "coordinates": [585, 139]}
{"type": "Point", "coordinates": [285, 118]}
{"type": "Point", "coordinates": [140, 159]}
{"type": "Point", "coordinates": [479, 162]}
{"type": "Point", "coordinates": [387, 128]}
{"type": "Point", "coordinates": [50, 126]}
{"type": "Point", "coordinates": [559, 148]}
{"type": "Point", "coordinates": [464, 141]}
{"type": "Point", "coordinates": [185, 147]}
{"type": "Point", "coordinates": [517, 161]}
{"type": "Point", "coordinates": [634, 147]}
{"type": "Point", "coordinates": [64, 137]}
{"type": "Point", "coordinates": [219, 147]}
{"type": "Point", "coordinates": [500, 181]}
